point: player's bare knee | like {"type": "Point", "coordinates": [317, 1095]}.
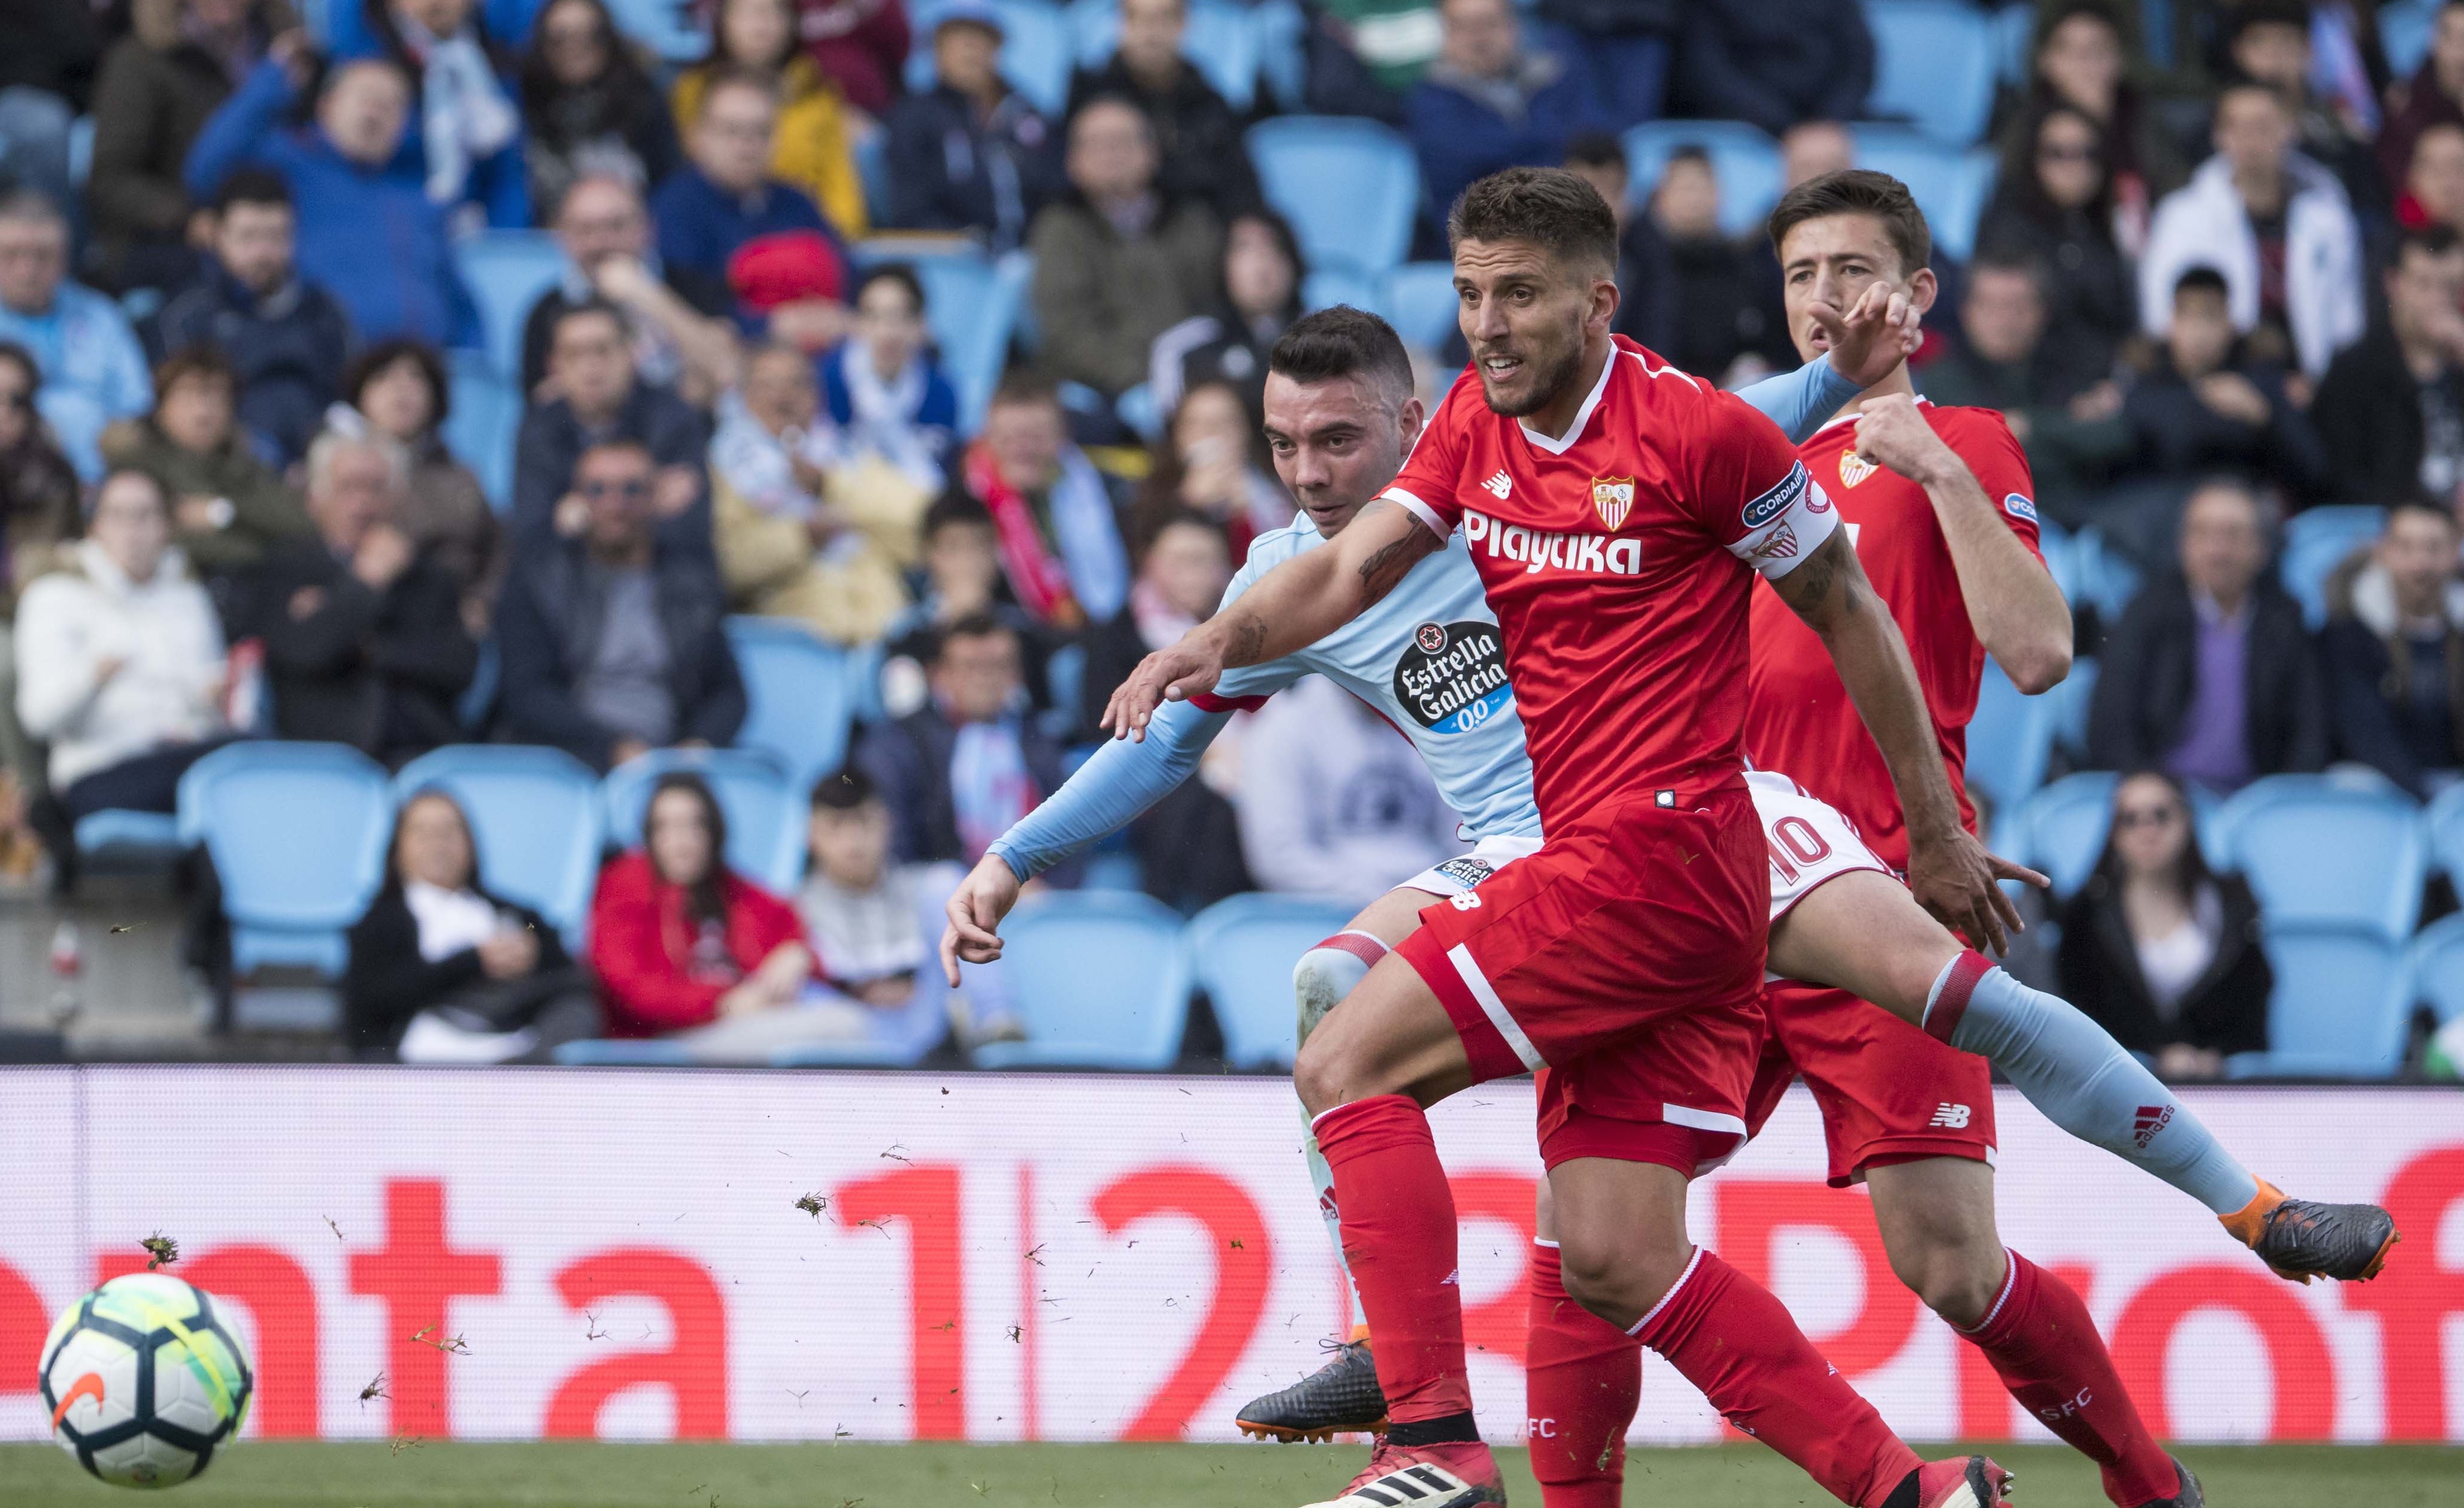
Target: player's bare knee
{"type": "Point", "coordinates": [1957, 1280]}
{"type": "Point", "coordinates": [1330, 1072]}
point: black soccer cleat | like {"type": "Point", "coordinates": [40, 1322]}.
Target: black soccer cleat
{"type": "Point", "coordinates": [2302, 1238]}
{"type": "Point", "coordinates": [2189, 1495]}
{"type": "Point", "coordinates": [1342, 1397]}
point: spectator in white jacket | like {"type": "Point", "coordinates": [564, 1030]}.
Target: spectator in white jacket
{"type": "Point", "coordinates": [1333, 801]}
{"type": "Point", "coordinates": [2280, 228]}
{"type": "Point", "coordinates": [119, 659]}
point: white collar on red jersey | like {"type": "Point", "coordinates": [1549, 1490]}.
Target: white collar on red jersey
{"type": "Point", "coordinates": [1922, 402]}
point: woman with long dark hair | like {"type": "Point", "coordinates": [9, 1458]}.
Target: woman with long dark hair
{"type": "Point", "coordinates": [2163, 952]}
{"type": "Point", "coordinates": [1257, 298]}
{"type": "Point", "coordinates": [2055, 207]}
{"type": "Point", "coordinates": [2081, 59]}
{"type": "Point", "coordinates": [591, 106]}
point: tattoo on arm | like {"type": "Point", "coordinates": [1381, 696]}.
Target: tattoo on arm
{"type": "Point", "coordinates": [1393, 560]}
{"type": "Point", "coordinates": [1826, 587]}
{"type": "Point", "coordinates": [1248, 640]}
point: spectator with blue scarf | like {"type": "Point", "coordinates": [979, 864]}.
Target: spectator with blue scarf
{"type": "Point", "coordinates": [884, 391]}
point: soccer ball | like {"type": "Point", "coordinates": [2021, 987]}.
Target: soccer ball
{"type": "Point", "coordinates": [144, 1380]}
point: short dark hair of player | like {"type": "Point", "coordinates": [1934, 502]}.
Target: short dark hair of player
{"type": "Point", "coordinates": [1547, 207]}
{"type": "Point", "coordinates": [1858, 191]}
{"type": "Point", "coordinates": [956, 510]}
{"type": "Point", "coordinates": [844, 790]}
{"type": "Point", "coordinates": [2200, 279]}
{"type": "Point", "coordinates": [1596, 149]}
{"type": "Point", "coordinates": [1343, 341]}
{"type": "Point", "coordinates": [898, 272]}
{"type": "Point", "coordinates": [251, 186]}
{"type": "Point", "coordinates": [974, 626]}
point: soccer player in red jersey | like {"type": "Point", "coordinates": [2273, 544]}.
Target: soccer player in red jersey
{"type": "Point", "coordinates": [1617, 510]}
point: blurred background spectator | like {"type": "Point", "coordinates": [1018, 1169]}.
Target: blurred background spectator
{"type": "Point", "coordinates": [465, 136]}
{"type": "Point", "coordinates": [159, 84]}
{"type": "Point", "coordinates": [2081, 59]}
{"type": "Point", "coordinates": [2159, 951]}
{"type": "Point", "coordinates": [285, 339]}
{"type": "Point", "coordinates": [364, 643]}
{"type": "Point", "coordinates": [1213, 463]}
{"type": "Point", "coordinates": [1332, 802]}
{"type": "Point", "coordinates": [1117, 260]}
{"type": "Point", "coordinates": [1775, 62]}
{"type": "Point", "coordinates": [2433, 185]}
{"type": "Point", "coordinates": [354, 184]}
{"type": "Point", "coordinates": [40, 520]}
{"type": "Point", "coordinates": [961, 579]}
{"type": "Point", "coordinates": [444, 971]}
{"type": "Point", "coordinates": [396, 391]}
{"type": "Point", "coordinates": [958, 771]}
{"type": "Point", "coordinates": [93, 368]}
{"type": "Point", "coordinates": [597, 396]}
{"type": "Point", "coordinates": [1055, 521]}
{"type": "Point", "coordinates": [811, 150]}
{"type": "Point", "coordinates": [2435, 95]}
{"type": "Point", "coordinates": [1620, 50]}
{"type": "Point", "coordinates": [807, 527]}
{"type": "Point", "coordinates": [872, 923]}
{"type": "Point", "coordinates": [613, 637]}
{"type": "Point", "coordinates": [1196, 136]}
{"type": "Point", "coordinates": [2268, 41]}
{"type": "Point", "coordinates": [1491, 101]}
{"type": "Point", "coordinates": [1260, 296]}
{"type": "Point", "coordinates": [591, 108]}
{"type": "Point", "coordinates": [2392, 652]}
{"type": "Point", "coordinates": [681, 333]}
{"type": "Point", "coordinates": [971, 153]}
{"type": "Point", "coordinates": [119, 659]}
{"type": "Point", "coordinates": [47, 65]}
{"type": "Point", "coordinates": [2055, 209]}
{"type": "Point", "coordinates": [859, 45]}
{"type": "Point", "coordinates": [227, 507]}
{"type": "Point", "coordinates": [2208, 402]}
{"type": "Point", "coordinates": [2391, 409]}
{"type": "Point", "coordinates": [727, 193]}
{"type": "Point", "coordinates": [885, 391]}
{"type": "Point", "coordinates": [2210, 675]}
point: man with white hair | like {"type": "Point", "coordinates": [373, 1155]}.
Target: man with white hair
{"type": "Point", "coordinates": [94, 371]}
{"type": "Point", "coordinates": [363, 636]}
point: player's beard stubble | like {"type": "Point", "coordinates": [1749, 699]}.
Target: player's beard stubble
{"type": "Point", "coordinates": [1547, 372]}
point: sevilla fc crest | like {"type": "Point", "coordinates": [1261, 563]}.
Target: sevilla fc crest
{"type": "Point", "coordinates": [1854, 468]}
{"type": "Point", "coordinates": [1611, 499]}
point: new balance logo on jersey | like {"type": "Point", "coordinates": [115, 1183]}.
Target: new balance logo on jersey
{"type": "Point", "coordinates": [1499, 486]}
{"type": "Point", "coordinates": [1598, 554]}
{"type": "Point", "coordinates": [1951, 1117]}
{"type": "Point", "coordinates": [2150, 1120]}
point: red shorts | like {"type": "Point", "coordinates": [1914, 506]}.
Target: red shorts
{"type": "Point", "coordinates": [1888, 1092]}
{"type": "Point", "coordinates": [1627, 954]}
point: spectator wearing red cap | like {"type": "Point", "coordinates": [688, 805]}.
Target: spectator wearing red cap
{"type": "Point", "coordinates": [728, 196]}
{"type": "Point", "coordinates": [794, 284]}
{"type": "Point", "coordinates": [595, 396]}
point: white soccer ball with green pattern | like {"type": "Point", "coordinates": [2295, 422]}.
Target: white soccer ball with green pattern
{"type": "Point", "coordinates": [144, 1380]}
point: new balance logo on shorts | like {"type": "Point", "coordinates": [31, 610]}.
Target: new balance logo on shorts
{"type": "Point", "coordinates": [1468, 901]}
{"type": "Point", "coordinates": [1500, 484]}
{"type": "Point", "coordinates": [2150, 1120]}
{"type": "Point", "coordinates": [1951, 1117]}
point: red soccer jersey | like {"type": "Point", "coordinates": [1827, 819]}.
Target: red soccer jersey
{"type": "Point", "coordinates": [1617, 561]}
{"type": "Point", "coordinates": [1798, 718]}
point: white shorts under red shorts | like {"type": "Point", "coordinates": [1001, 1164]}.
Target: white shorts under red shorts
{"type": "Point", "coordinates": [1887, 1091]}
{"type": "Point", "coordinates": [1468, 871]}
{"type": "Point", "coordinates": [1626, 956]}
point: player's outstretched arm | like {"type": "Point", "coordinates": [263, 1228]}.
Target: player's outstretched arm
{"type": "Point", "coordinates": [2019, 613]}
{"type": "Point", "coordinates": [1948, 870]}
{"type": "Point", "coordinates": [1292, 606]}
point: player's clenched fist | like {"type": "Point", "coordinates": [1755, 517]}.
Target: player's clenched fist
{"type": "Point", "coordinates": [976, 911]}
{"type": "Point", "coordinates": [1892, 432]}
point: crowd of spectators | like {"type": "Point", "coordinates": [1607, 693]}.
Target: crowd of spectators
{"type": "Point", "coordinates": [2206, 296]}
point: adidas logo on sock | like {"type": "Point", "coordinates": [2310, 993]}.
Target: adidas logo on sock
{"type": "Point", "coordinates": [2150, 1120]}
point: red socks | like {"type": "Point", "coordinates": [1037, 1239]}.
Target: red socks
{"type": "Point", "coordinates": [2044, 1346]}
{"type": "Point", "coordinates": [1732, 1339]}
{"type": "Point", "coordinates": [1582, 1380]}
{"type": "Point", "coordinates": [1399, 1239]}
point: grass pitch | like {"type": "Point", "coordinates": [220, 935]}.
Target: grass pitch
{"type": "Point", "coordinates": [269, 1475]}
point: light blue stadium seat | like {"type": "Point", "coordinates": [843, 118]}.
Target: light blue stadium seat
{"type": "Point", "coordinates": [872, 153]}
{"type": "Point", "coordinates": [1137, 410]}
{"type": "Point", "coordinates": [2107, 580]}
{"type": "Point", "coordinates": [1282, 63]}
{"type": "Point", "coordinates": [483, 415]}
{"type": "Point", "coordinates": [2316, 541]}
{"type": "Point", "coordinates": [297, 834]}
{"type": "Point", "coordinates": [1065, 676]}
{"type": "Point", "coordinates": [663, 26]}
{"type": "Point", "coordinates": [2435, 961]}
{"type": "Point", "coordinates": [2015, 27]}
{"type": "Point", "coordinates": [2334, 850]}
{"type": "Point", "coordinates": [2072, 700]}
{"type": "Point", "coordinates": [800, 695]}
{"type": "Point", "coordinates": [1744, 159]}
{"type": "Point", "coordinates": [137, 838]}
{"type": "Point", "coordinates": [1100, 980]}
{"type": "Point", "coordinates": [2059, 831]}
{"type": "Point", "coordinates": [617, 1052]}
{"type": "Point", "coordinates": [765, 819]}
{"type": "Point", "coordinates": [536, 819]}
{"type": "Point", "coordinates": [2341, 1007]}
{"type": "Point", "coordinates": [2404, 28]}
{"type": "Point", "coordinates": [2445, 823]}
{"type": "Point", "coordinates": [1934, 62]}
{"type": "Point", "coordinates": [506, 272]}
{"type": "Point", "coordinates": [1240, 952]}
{"type": "Point", "coordinates": [972, 304]}
{"type": "Point", "coordinates": [1950, 184]}
{"type": "Point", "coordinates": [2010, 739]}
{"type": "Point", "coordinates": [1222, 40]}
{"type": "Point", "coordinates": [1418, 300]}
{"type": "Point", "coordinates": [1036, 55]}
{"type": "Point", "coordinates": [1351, 188]}
{"type": "Point", "coordinates": [1329, 286]}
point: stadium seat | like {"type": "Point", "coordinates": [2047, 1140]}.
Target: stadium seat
{"type": "Point", "coordinates": [1282, 64]}
{"type": "Point", "coordinates": [1744, 159]}
{"type": "Point", "coordinates": [1351, 188]}
{"type": "Point", "coordinates": [1222, 41]}
{"type": "Point", "coordinates": [2009, 740]}
{"type": "Point", "coordinates": [1100, 980]}
{"type": "Point", "coordinates": [1137, 410]}
{"type": "Point", "coordinates": [297, 834]}
{"type": "Point", "coordinates": [1035, 52]}
{"type": "Point", "coordinates": [800, 695]}
{"type": "Point", "coordinates": [1418, 300]}
{"type": "Point", "coordinates": [1934, 62]}
{"type": "Point", "coordinates": [660, 25]}
{"type": "Point", "coordinates": [1329, 286]}
{"type": "Point", "coordinates": [2445, 823]}
{"type": "Point", "coordinates": [2340, 1008]}
{"type": "Point", "coordinates": [765, 819]}
{"type": "Point", "coordinates": [2070, 701]}
{"type": "Point", "coordinates": [2015, 27]}
{"type": "Point", "coordinates": [1240, 952]}
{"type": "Point", "coordinates": [618, 1052]}
{"type": "Point", "coordinates": [2333, 850]}
{"type": "Point", "coordinates": [2059, 831]}
{"type": "Point", "coordinates": [506, 272]}
{"type": "Point", "coordinates": [534, 816]}
{"type": "Point", "coordinates": [973, 304]}
{"type": "Point", "coordinates": [2316, 541]}
{"type": "Point", "coordinates": [1952, 183]}
{"type": "Point", "coordinates": [122, 839]}
{"type": "Point", "coordinates": [2404, 28]}
{"type": "Point", "coordinates": [2107, 580]}
{"type": "Point", "coordinates": [2435, 962]}
{"type": "Point", "coordinates": [483, 415]}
